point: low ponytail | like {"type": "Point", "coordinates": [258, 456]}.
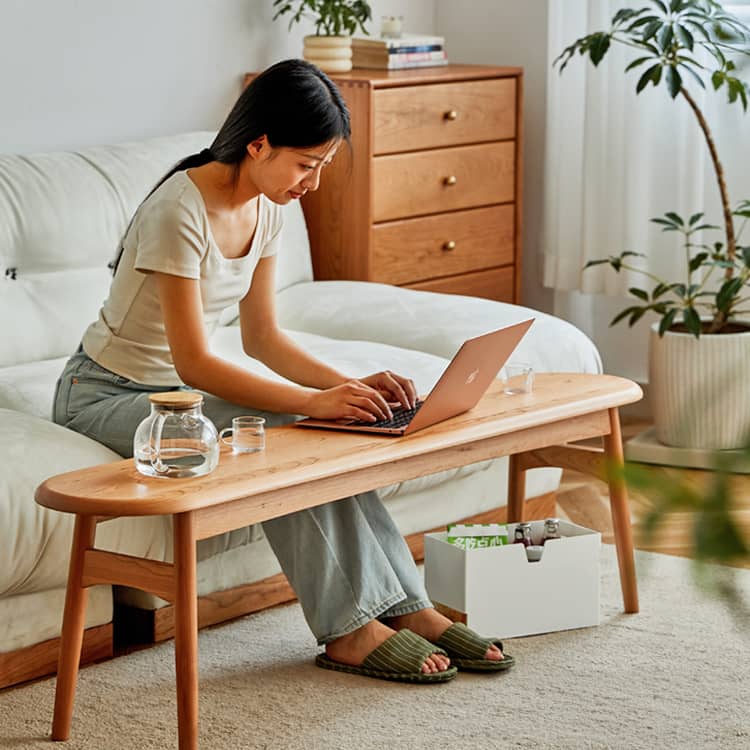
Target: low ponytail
{"type": "Point", "coordinates": [191, 162]}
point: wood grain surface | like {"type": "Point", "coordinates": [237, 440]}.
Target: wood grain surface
{"type": "Point", "coordinates": [447, 244]}
{"type": "Point", "coordinates": [444, 114]}
{"type": "Point", "coordinates": [429, 182]}
{"type": "Point", "coordinates": [295, 457]}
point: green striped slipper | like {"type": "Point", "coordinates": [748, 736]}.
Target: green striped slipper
{"type": "Point", "coordinates": [466, 650]}
{"type": "Point", "coordinates": [400, 658]}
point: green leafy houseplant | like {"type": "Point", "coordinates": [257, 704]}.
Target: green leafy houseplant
{"type": "Point", "coordinates": [675, 38]}
{"type": "Point", "coordinates": [331, 17]}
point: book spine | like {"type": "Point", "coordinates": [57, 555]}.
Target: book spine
{"type": "Point", "coordinates": [397, 50]}
{"type": "Point", "coordinates": [415, 48]}
{"type": "Point", "coordinates": [414, 64]}
{"type": "Point", "coordinates": [403, 43]}
{"type": "Point", "coordinates": [398, 44]}
{"type": "Point", "coordinates": [395, 62]}
{"type": "Point", "coordinates": [416, 56]}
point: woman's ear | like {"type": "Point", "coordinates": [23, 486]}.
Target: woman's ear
{"type": "Point", "coordinates": [260, 147]}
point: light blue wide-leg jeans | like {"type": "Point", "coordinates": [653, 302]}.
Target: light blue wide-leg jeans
{"type": "Point", "coordinates": [345, 560]}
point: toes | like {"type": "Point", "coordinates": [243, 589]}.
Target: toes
{"type": "Point", "coordinates": [443, 661]}
{"type": "Point", "coordinates": [493, 653]}
{"type": "Point", "coordinates": [435, 663]}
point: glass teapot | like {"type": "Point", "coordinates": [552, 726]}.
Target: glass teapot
{"type": "Point", "coordinates": [176, 439]}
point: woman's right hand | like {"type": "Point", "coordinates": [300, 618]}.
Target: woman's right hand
{"type": "Point", "coordinates": [351, 401]}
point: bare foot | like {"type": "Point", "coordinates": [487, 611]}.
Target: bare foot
{"type": "Point", "coordinates": [353, 648]}
{"type": "Point", "coordinates": [430, 624]}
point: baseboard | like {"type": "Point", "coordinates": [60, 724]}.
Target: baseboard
{"type": "Point", "coordinates": [40, 660]}
{"type": "Point", "coordinates": [134, 626]}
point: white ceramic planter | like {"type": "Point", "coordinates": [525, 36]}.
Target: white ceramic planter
{"type": "Point", "coordinates": [332, 54]}
{"type": "Point", "coordinates": [700, 389]}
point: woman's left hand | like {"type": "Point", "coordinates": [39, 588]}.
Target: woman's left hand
{"type": "Point", "coordinates": [393, 387]}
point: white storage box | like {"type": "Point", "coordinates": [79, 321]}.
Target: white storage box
{"type": "Point", "coordinates": [503, 595]}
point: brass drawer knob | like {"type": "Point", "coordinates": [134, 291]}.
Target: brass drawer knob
{"type": "Point", "coordinates": [450, 180]}
{"type": "Point", "coordinates": [451, 114]}
{"type": "Point", "coordinates": [449, 245]}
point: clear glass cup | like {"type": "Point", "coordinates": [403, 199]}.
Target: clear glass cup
{"type": "Point", "coordinates": [517, 377]}
{"type": "Point", "coordinates": [248, 434]}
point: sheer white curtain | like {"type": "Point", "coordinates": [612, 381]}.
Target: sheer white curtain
{"type": "Point", "coordinates": [615, 159]}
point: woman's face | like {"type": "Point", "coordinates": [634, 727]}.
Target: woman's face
{"type": "Point", "coordinates": [284, 174]}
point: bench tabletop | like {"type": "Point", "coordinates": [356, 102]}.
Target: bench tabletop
{"type": "Point", "coordinates": [295, 457]}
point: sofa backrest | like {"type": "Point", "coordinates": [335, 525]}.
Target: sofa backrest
{"type": "Point", "coordinates": [62, 216]}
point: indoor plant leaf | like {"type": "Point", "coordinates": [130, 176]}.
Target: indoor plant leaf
{"type": "Point", "coordinates": [692, 321]}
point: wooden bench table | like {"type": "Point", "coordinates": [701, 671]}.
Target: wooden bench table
{"type": "Point", "coordinates": [304, 468]}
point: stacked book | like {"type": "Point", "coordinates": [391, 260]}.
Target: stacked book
{"type": "Point", "coordinates": [406, 51]}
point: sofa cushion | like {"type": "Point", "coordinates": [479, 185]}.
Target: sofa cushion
{"type": "Point", "coordinates": [26, 619]}
{"type": "Point", "coordinates": [35, 543]}
{"type": "Point", "coordinates": [62, 216]}
{"type": "Point", "coordinates": [430, 322]}
{"type": "Point", "coordinates": [30, 387]}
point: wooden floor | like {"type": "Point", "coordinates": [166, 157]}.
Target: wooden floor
{"type": "Point", "coordinates": [584, 501]}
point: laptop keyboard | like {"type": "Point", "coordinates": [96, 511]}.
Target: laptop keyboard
{"type": "Point", "coordinates": [401, 418]}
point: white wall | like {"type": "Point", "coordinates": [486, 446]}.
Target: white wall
{"type": "Point", "coordinates": [507, 32]}
{"type": "Point", "coordinates": [84, 72]}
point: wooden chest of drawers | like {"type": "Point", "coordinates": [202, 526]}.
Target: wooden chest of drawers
{"type": "Point", "coordinates": [429, 196]}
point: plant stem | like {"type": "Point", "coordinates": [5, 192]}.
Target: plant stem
{"type": "Point", "coordinates": [720, 318]}
{"type": "Point", "coordinates": [644, 273]}
{"type": "Point", "coordinates": [719, 169]}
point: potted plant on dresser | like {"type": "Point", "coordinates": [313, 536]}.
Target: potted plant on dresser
{"type": "Point", "coordinates": [699, 353]}
{"type": "Point", "coordinates": [330, 48]}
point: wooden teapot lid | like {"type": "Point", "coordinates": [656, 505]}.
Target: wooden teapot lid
{"type": "Point", "coordinates": [177, 399]}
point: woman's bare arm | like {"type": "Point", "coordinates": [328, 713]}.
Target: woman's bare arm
{"type": "Point", "coordinates": [263, 339]}
{"type": "Point", "coordinates": [182, 310]}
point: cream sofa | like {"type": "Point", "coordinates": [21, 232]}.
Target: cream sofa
{"type": "Point", "coordinates": [61, 217]}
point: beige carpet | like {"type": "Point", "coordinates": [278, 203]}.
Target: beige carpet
{"type": "Point", "coordinates": [675, 676]}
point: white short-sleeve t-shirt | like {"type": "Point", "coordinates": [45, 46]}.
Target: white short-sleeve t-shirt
{"type": "Point", "coordinates": [170, 233]}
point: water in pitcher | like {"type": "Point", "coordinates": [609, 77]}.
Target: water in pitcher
{"type": "Point", "coordinates": [177, 463]}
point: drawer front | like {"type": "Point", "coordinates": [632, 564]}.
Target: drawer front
{"type": "Point", "coordinates": [494, 284]}
{"type": "Point", "coordinates": [443, 114]}
{"type": "Point", "coordinates": [449, 179]}
{"type": "Point", "coordinates": [442, 245]}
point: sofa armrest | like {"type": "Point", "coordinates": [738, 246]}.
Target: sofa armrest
{"type": "Point", "coordinates": [430, 322]}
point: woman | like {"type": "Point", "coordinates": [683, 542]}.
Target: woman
{"type": "Point", "coordinates": [204, 239]}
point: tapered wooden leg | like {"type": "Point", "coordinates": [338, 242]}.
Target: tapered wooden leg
{"type": "Point", "coordinates": [618, 499]}
{"type": "Point", "coordinates": [186, 630]}
{"type": "Point", "coordinates": [74, 619]}
{"type": "Point", "coordinates": [516, 489]}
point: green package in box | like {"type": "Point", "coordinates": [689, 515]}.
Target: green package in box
{"type": "Point", "coordinates": [477, 535]}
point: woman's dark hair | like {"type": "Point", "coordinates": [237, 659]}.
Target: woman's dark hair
{"type": "Point", "coordinates": [293, 103]}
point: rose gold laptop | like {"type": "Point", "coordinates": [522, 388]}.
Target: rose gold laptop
{"type": "Point", "coordinates": [464, 382]}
